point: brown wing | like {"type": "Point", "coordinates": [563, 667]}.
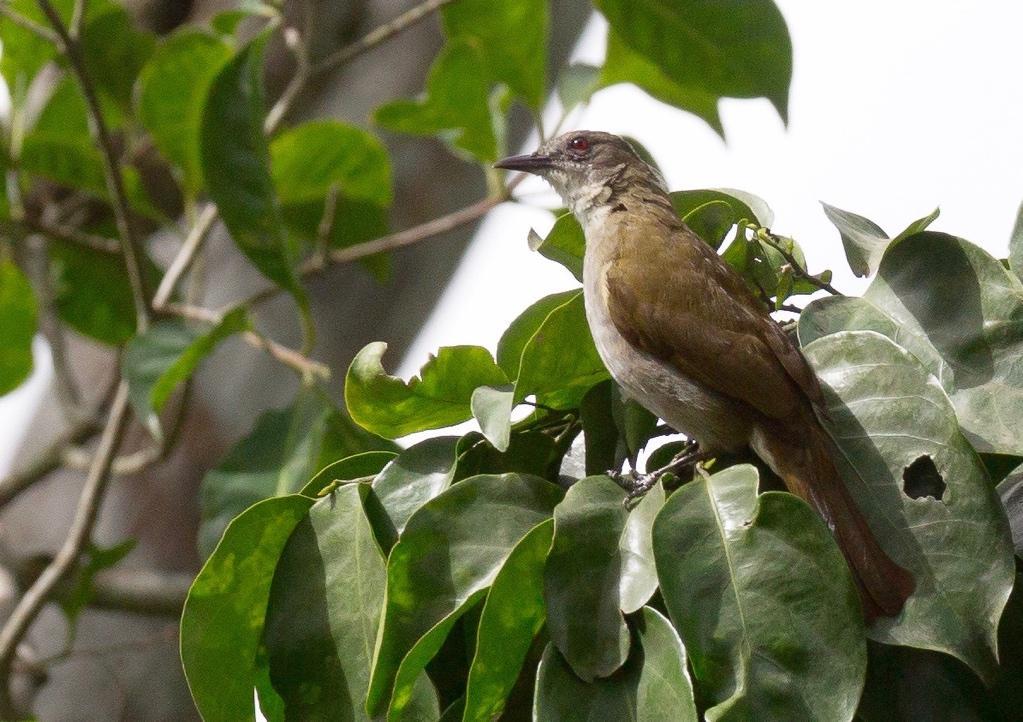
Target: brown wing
{"type": "Point", "coordinates": [680, 302]}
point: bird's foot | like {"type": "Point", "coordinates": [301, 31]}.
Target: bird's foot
{"type": "Point", "coordinates": [637, 485]}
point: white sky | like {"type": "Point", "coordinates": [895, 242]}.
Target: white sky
{"type": "Point", "coordinates": [896, 107]}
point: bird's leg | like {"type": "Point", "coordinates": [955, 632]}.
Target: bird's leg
{"type": "Point", "coordinates": [637, 485]}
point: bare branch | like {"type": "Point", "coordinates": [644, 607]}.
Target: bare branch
{"type": "Point", "coordinates": [29, 606]}
{"type": "Point", "coordinates": [111, 168]}
{"type": "Point", "coordinates": [183, 259]}
{"type": "Point", "coordinates": [71, 234]}
{"type": "Point", "coordinates": [293, 39]}
{"type": "Point", "coordinates": [770, 239]}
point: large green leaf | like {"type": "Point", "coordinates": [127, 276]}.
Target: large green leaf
{"type": "Point", "coordinates": [363, 466]}
{"type": "Point", "coordinates": [92, 293]}
{"type": "Point", "coordinates": [716, 48]}
{"type": "Point", "coordinates": [323, 612]}
{"type": "Point", "coordinates": [512, 616]}
{"type": "Point", "coordinates": [652, 686]}
{"type": "Point", "coordinates": [282, 452]}
{"type": "Point", "coordinates": [925, 492]}
{"type": "Point", "coordinates": [524, 327]}
{"type": "Point", "coordinates": [456, 104]}
{"type": "Point", "coordinates": [624, 65]}
{"type": "Point", "coordinates": [960, 312]}
{"type": "Point", "coordinates": [114, 51]}
{"type": "Point", "coordinates": [172, 94]}
{"type": "Point", "coordinates": [601, 564]}
{"type": "Point", "coordinates": [864, 241]}
{"type": "Point", "coordinates": [559, 362]}
{"type": "Point", "coordinates": [18, 320]}
{"type": "Point", "coordinates": [222, 622]}
{"type": "Point", "coordinates": [762, 598]}
{"type": "Point", "coordinates": [447, 557]}
{"type": "Point", "coordinates": [166, 355]}
{"type": "Point", "coordinates": [512, 38]}
{"type": "Point", "coordinates": [236, 167]}
{"type": "Point", "coordinates": [24, 52]}
{"type": "Point", "coordinates": [439, 396]}
{"type": "Point", "coordinates": [1010, 491]}
{"type": "Point", "coordinates": [564, 244]}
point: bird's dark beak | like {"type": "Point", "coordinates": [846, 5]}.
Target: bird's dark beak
{"type": "Point", "coordinates": [532, 163]}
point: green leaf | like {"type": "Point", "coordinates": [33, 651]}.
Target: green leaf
{"type": "Point", "coordinates": [737, 49]}
{"type": "Point", "coordinates": [356, 466]}
{"type": "Point", "coordinates": [236, 167]}
{"type": "Point", "coordinates": [285, 448]}
{"type": "Point", "coordinates": [604, 445]}
{"type": "Point", "coordinates": [512, 616]}
{"type": "Point", "coordinates": [576, 84]}
{"type": "Point", "coordinates": [763, 599]}
{"type": "Point", "coordinates": [166, 355]}
{"type": "Point", "coordinates": [456, 105]}
{"type": "Point", "coordinates": [917, 226]}
{"type": "Point", "coordinates": [524, 327]}
{"type": "Point", "coordinates": [1016, 244]}
{"type": "Point", "coordinates": [439, 396]}
{"type": "Point", "coordinates": [447, 557]}
{"type": "Point", "coordinates": [624, 65]}
{"type": "Point", "coordinates": [94, 560]}
{"type": "Point", "coordinates": [559, 363]}
{"type": "Point", "coordinates": [600, 564]}
{"type": "Point", "coordinates": [652, 686]}
{"type": "Point", "coordinates": [512, 39]}
{"type": "Point", "coordinates": [18, 319]}
{"type": "Point", "coordinates": [864, 240]}
{"type": "Point", "coordinates": [744, 206]}
{"type": "Point", "coordinates": [417, 475]}
{"type": "Point", "coordinates": [530, 452]}
{"type": "Point", "coordinates": [888, 415]}
{"type": "Point", "coordinates": [173, 87]}
{"type": "Point", "coordinates": [323, 612]}
{"type": "Point", "coordinates": [222, 622]}
{"type": "Point", "coordinates": [1010, 491]}
{"type": "Point", "coordinates": [960, 312]}
{"type": "Point", "coordinates": [565, 244]}
{"type": "Point", "coordinates": [114, 51]}
{"type": "Point", "coordinates": [491, 407]}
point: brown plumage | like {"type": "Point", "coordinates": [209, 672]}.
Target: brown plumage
{"type": "Point", "coordinates": [681, 332]}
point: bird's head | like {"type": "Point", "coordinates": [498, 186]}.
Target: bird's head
{"type": "Point", "coordinates": [585, 167]}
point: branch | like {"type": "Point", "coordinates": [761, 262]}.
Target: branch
{"type": "Point", "coordinates": [29, 606]}
{"type": "Point", "coordinates": [65, 232]}
{"type": "Point", "coordinates": [183, 259]}
{"type": "Point", "coordinates": [111, 168]}
{"type": "Point", "coordinates": [293, 39]}
{"type": "Point", "coordinates": [770, 239]}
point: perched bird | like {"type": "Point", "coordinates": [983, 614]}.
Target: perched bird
{"type": "Point", "coordinates": [682, 334]}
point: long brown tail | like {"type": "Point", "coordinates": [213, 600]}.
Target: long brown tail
{"type": "Point", "coordinates": [806, 466]}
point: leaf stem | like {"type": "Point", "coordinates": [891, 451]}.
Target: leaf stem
{"type": "Point", "coordinates": [770, 239]}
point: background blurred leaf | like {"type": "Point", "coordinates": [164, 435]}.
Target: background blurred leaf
{"type": "Point", "coordinates": [735, 48]}
{"type": "Point", "coordinates": [18, 321]}
{"type": "Point", "coordinates": [888, 413]}
{"type": "Point", "coordinates": [762, 598]}
{"type": "Point", "coordinates": [576, 84]}
{"type": "Point", "coordinates": [222, 622]}
{"type": "Point", "coordinates": [114, 51]}
{"type": "Point", "coordinates": [653, 685]}
{"type": "Point", "coordinates": [439, 396]}
{"type": "Point", "coordinates": [448, 556]}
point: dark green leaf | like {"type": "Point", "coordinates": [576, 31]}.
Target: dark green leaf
{"type": "Point", "coordinates": [600, 563]}
{"type": "Point", "coordinates": [456, 104]}
{"type": "Point", "coordinates": [864, 240]}
{"type": "Point", "coordinates": [887, 414]}
{"type": "Point", "coordinates": [236, 167]}
{"type": "Point", "coordinates": [559, 363]}
{"type": "Point", "coordinates": [605, 449]}
{"type": "Point", "coordinates": [524, 327]}
{"type": "Point", "coordinates": [576, 84]}
{"type": "Point", "coordinates": [512, 38]}
{"type": "Point", "coordinates": [166, 355]}
{"type": "Point", "coordinates": [917, 226]}
{"type": "Point", "coordinates": [282, 452]}
{"type": "Point", "coordinates": [172, 94]}
{"type": "Point", "coordinates": [360, 467]}
{"type": "Point", "coordinates": [652, 686]}
{"type": "Point", "coordinates": [960, 312]}
{"type": "Point", "coordinates": [738, 48]}
{"type": "Point", "coordinates": [530, 452]}
{"type": "Point", "coordinates": [512, 616]}
{"type": "Point", "coordinates": [491, 407]}
{"type": "Point", "coordinates": [114, 51]}
{"type": "Point", "coordinates": [222, 621]}
{"type": "Point", "coordinates": [94, 560]}
{"type": "Point", "coordinates": [448, 556]}
{"type": "Point", "coordinates": [18, 321]}
{"type": "Point", "coordinates": [565, 244]}
{"type": "Point", "coordinates": [439, 396]}
{"type": "Point", "coordinates": [763, 599]}
{"type": "Point", "coordinates": [323, 613]}
{"type": "Point", "coordinates": [744, 206]}
{"type": "Point", "coordinates": [624, 65]}
{"type": "Point", "coordinates": [1010, 491]}
{"type": "Point", "coordinates": [712, 221]}
{"type": "Point", "coordinates": [417, 475]}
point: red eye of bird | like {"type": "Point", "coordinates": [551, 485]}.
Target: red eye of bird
{"type": "Point", "coordinates": [579, 144]}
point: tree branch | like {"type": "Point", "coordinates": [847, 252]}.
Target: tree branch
{"type": "Point", "coordinates": [770, 239]}
{"type": "Point", "coordinates": [111, 168]}
{"type": "Point", "coordinates": [184, 257]}
{"type": "Point", "coordinates": [29, 606]}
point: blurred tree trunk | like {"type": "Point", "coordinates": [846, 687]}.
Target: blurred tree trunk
{"type": "Point", "coordinates": [125, 665]}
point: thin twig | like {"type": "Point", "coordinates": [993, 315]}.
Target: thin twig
{"type": "Point", "coordinates": [29, 606]}
{"type": "Point", "coordinates": [75, 457]}
{"type": "Point", "coordinates": [378, 35]}
{"type": "Point", "coordinates": [77, 19]}
{"type": "Point", "coordinates": [111, 167]}
{"type": "Point", "coordinates": [184, 257]}
{"type": "Point", "coordinates": [770, 239]}
{"type": "Point", "coordinates": [31, 25]}
{"type": "Point", "coordinates": [326, 227]}
{"type": "Point", "coordinates": [296, 44]}
{"type": "Point", "coordinates": [71, 234]}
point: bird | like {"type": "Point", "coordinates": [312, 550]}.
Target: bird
{"type": "Point", "coordinates": [683, 334]}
